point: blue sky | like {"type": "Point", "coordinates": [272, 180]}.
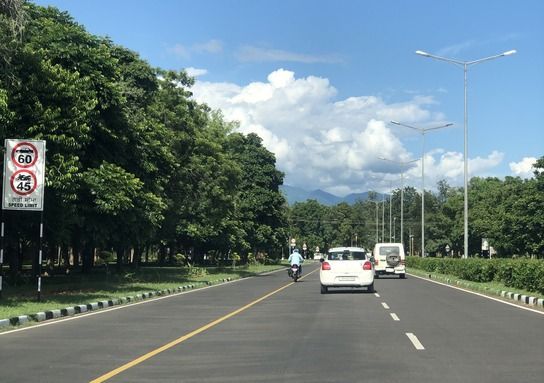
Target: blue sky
{"type": "Point", "coordinates": [319, 81]}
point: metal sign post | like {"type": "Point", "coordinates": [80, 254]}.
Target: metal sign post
{"type": "Point", "coordinates": [23, 187]}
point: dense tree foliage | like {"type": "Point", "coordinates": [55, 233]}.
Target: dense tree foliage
{"type": "Point", "coordinates": [136, 166]}
{"type": "Point", "coordinates": [509, 213]}
{"type": "Point", "coordinates": [133, 162]}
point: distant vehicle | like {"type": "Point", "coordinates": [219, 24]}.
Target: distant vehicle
{"type": "Point", "coordinates": [294, 272]}
{"type": "Point", "coordinates": [318, 256]}
{"type": "Point", "coordinates": [389, 258]}
{"type": "Point", "coordinates": [346, 267]}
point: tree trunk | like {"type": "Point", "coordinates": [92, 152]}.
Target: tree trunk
{"type": "Point", "coordinates": [65, 256]}
{"type": "Point", "coordinates": [137, 256]}
{"type": "Point", "coordinates": [88, 258]}
{"type": "Point", "coordinates": [162, 255]}
{"type": "Point", "coordinates": [120, 252]}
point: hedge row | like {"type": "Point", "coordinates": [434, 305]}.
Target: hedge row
{"type": "Point", "coordinates": [527, 274]}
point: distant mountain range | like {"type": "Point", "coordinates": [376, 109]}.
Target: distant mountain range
{"type": "Point", "coordinates": [294, 194]}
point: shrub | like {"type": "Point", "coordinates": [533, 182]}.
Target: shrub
{"type": "Point", "coordinates": [526, 274]}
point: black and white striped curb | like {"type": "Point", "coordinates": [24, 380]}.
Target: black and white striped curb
{"type": "Point", "coordinates": [78, 309]}
{"type": "Point", "coordinates": [527, 299]}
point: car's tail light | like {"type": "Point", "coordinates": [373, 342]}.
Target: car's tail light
{"type": "Point", "coordinates": [402, 262]}
{"type": "Point", "coordinates": [376, 261]}
{"type": "Point", "coordinates": [367, 266]}
{"type": "Point", "coordinates": [325, 266]}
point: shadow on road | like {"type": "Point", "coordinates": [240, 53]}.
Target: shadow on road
{"type": "Point", "coordinates": [350, 291]}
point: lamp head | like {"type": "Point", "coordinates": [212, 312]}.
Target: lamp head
{"type": "Point", "coordinates": [421, 53]}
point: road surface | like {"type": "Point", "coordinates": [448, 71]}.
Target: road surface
{"type": "Point", "coordinates": [268, 329]}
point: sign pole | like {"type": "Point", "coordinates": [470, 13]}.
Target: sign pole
{"type": "Point", "coordinates": [1, 253]}
{"type": "Point", "coordinates": [2, 229]}
{"type": "Point", "coordinates": [40, 257]}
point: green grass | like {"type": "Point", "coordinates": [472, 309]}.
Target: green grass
{"type": "Point", "coordinates": [490, 288]}
{"type": "Point", "coordinates": [63, 291]}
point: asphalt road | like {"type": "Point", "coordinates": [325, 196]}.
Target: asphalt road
{"type": "Point", "coordinates": [266, 329]}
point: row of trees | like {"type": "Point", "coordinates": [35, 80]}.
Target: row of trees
{"type": "Point", "coordinates": [133, 162]}
{"type": "Point", "coordinates": [509, 212]}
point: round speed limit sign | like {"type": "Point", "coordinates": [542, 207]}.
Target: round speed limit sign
{"type": "Point", "coordinates": [23, 182]}
{"type": "Point", "coordinates": [24, 155]}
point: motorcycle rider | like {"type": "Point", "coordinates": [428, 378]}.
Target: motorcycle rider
{"type": "Point", "coordinates": [296, 259]}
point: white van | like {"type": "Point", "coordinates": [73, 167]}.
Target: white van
{"type": "Point", "coordinates": [389, 258]}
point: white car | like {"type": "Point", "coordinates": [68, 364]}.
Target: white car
{"type": "Point", "coordinates": [346, 267]}
{"type": "Point", "coordinates": [389, 258]}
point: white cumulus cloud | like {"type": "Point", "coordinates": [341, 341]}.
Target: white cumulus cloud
{"type": "Point", "coordinates": [195, 72]}
{"type": "Point", "coordinates": [335, 145]}
{"type": "Point", "coordinates": [524, 168]}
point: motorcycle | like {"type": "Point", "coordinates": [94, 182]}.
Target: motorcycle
{"type": "Point", "coordinates": [294, 272]}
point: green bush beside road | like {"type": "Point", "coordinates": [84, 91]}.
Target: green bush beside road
{"type": "Point", "coordinates": [521, 273]}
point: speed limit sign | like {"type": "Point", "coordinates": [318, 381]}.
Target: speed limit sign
{"type": "Point", "coordinates": [24, 169]}
{"type": "Point", "coordinates": [23, 182]}
{"type": "Point", "coordinates": [24, 154]}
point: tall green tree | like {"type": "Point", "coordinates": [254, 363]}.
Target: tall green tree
{"type": "Point", "coordinates": [261, 205]}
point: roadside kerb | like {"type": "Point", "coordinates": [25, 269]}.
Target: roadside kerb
{"type": "Point", "coordinates": [529, 300]}
{"type": "Point", "coordinates": [39, 317]}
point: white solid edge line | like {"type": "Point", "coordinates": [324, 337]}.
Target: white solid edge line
{"type": "Point", "coordinates": [395, 317]}
{"type": "Point", "coordinates": [385, 306]}
{"type": "Point", "coordinates": [123, 306]}
{"type": "Point", "coordinates": [417, 344]}
{"type": "Point", "coordinates": [480, 295]}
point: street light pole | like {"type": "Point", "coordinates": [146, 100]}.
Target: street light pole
{"type": "Point", "coordinates": [422, 131]}
{"type": "Point", "coordinates": [465, 65]}
{"type": "Point", "coordinates": [390, 207]}
{"type": "Point", "coordinates": [383, 217]}
{"type": "Point", "coordinates": [403, 163]}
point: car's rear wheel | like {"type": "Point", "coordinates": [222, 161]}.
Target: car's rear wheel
{"type": "Point", "coordinates": [371, 288]}
{"type": "Point", "coordinates": [324, 289]}
{"type": "Point", "coordinates": [402, 276]}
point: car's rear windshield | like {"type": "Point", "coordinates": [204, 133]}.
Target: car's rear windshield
{"type": "Point", "coordinates": [389, 250]}
{"type": "Point", "coordinates": [346, 256]}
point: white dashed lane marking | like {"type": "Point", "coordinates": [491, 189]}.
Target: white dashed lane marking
{"type": "Point", "coordinates": [417, 344]}
{"type": "Point", "coordinates": [394, 316]}
{"type": "Point", "coordinates": [385, 306]}
{"type": "Point", "coordinates": [377, 295]}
